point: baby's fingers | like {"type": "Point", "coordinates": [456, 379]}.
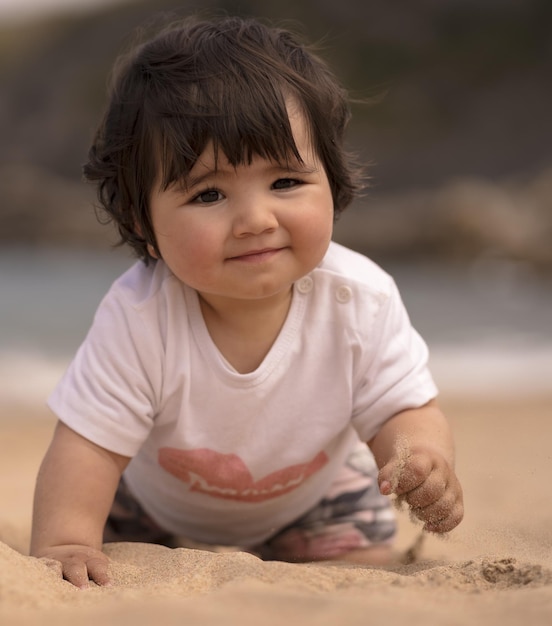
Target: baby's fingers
{"type": "Point", "coordinates": [98, 570]}
{"type": "Point", "coordinates": [431, 491]}
{"type": "Point", "coordinates": [401, 476]}
{"type": "Point", "coordinates": [441, 517]}
{"type": "Point", "coordinates": [77, 564]}
{"type": "Point", "coordinates": [445, 512]}
{"type": "Point", "coordinates": [76, 573]}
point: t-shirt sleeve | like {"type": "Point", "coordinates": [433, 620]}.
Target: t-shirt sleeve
{"type": "Point", "coordinates": [395, 374]}
{"type": "Point", "coordinates": [110, 391]}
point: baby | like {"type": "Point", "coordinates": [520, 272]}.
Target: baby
{"type": "Point", "coordinates": [242, 383]}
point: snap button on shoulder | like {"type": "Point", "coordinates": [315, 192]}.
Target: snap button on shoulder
{"type": "Point", "coordinates": [305, 284]}
{"type": "Point", "coordinates": [343, 294]}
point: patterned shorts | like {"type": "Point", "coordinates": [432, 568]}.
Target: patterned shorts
{"type": "Point", "coordinates": [353, 515]}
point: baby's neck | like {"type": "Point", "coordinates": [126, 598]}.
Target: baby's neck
{"type": "Point", "coordinates": [244, 331]}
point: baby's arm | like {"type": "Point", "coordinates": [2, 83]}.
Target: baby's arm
{"type": "Point", "coordinates": [74, 492]}
{"type": "Point", "coordinates": [415, 453]}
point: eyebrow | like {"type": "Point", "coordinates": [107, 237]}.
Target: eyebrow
{"type": "Point", "coordinates": [190, 182]}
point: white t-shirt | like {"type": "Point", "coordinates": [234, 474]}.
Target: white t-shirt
{"type": "Point", "coordinates": [230, 458]}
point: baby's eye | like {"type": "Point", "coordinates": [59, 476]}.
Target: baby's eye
{"type": "Point", "coordinates": [285, 183]}
{"type": "Point", "coordinates": [208, 196]}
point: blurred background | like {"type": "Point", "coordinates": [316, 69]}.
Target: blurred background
{"type": "Point", "coordinates": [457, 131]}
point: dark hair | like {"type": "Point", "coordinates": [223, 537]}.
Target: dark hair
{"type": "Point", "coordinates": [226, 81]}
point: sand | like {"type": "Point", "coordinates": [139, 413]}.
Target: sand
{"type": "Point", "coordinates": [495, 569]}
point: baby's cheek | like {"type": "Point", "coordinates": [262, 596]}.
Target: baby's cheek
{"type": "Point", "coordinates": [193, 250]}
{"type": "Point", "coordinates": [314, 238]}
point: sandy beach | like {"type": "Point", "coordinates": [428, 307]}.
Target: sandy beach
{"type": "Point", "coordinates": [495, 569]}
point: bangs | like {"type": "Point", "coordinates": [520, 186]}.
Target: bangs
{"type": "Point", "coordinates": [240, 119]}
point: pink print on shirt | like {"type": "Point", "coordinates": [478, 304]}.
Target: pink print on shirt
{"type": "Point", "coordinates": [227, 476]}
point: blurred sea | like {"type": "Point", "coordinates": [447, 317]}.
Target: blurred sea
{"type": "Point", "coordinates": [488, 325]}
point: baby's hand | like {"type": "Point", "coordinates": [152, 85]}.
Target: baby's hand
{"type": "Point", "coordinates": [423, 478]}
{"type": "Point", "coordinates": [79, 564]}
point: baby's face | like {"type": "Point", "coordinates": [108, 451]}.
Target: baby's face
{"type": "Point", "coordinates": [246, 232]}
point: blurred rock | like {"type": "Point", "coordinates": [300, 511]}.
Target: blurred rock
{"type": "Point", "coordinates": [39, 207]}
{"type": "Point", "coordinates": [461, 220]}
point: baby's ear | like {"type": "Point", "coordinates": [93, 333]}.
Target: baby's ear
{"type": "Point", "coordinates": [152, 252]}
{"type": "Point", "coordinates": [150, 248]}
